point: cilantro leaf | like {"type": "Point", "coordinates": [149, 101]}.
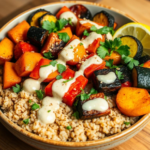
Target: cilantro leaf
{"type": "Point", "coordinates": [26, 121]}
{"type": "Point", "coordinates": [70, 21]}
{"type": "Point", "coordinates": [84, 96]}
{"type": "Point", "coordinates": [93, 28]}
{"type": "Point", "coordinates": [50, 26]}
{"type": "Point", "coordinates": [127, 123]}
{"type": "Point", "coordinates": [48, 55]}
{"type": "Point", "coordinates": [105, 97]}
{"type": "Point", "coordinates": [61, 68]}
{"type": "Point", "coordinates": [40, 94]}
{"type": "Point", "coordinates": [16, 89]}
{"type": "Point", "coordinates": [67, 80]}
{"type": "Point", "coordinates": [141, 65]}
{"type": "Point", "coordinates": [75, 103]}
{"type": "Point", "coordinates": [59, 77]}
{"type": "Point", "coordinates": [64, 36]}
{"type": "Point", "coordinates": [76, 114]}
{"type": "Point", "coordinates": [93, 91]}
{"type": "Point", "coordinates": [53, 63]}
{"type": "Point", "coordinates": [45, 65]}
{"type": "Point", "coordinates": [109, 63]}
{"type": "Point", "coordinates": [117, 42]}
{"type": "Point", "coordinates": [119, 74]}
{"type": "Point", "coordinates": [49, 111]}
{"type": "Point", "coordinates": [61, 23]}
{"type": "Point", "coordinates": [68, 127]}
{"type": "Point", "coordinates": [102, 52]}
{"type": "Point", "coordinates": [35, 106]}
{"type": "Point", "coordinates": [105, 30]}
{"type": "Point", "coordinates": [81, 44]}
{"type": "Point", "coordinates": [123, 50]}
{"type": "Point", "coordinates": [30, 101]}
{"type": "Point", "coordinates": [86, 33]}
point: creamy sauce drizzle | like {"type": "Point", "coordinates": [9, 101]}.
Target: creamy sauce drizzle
{"type": "Point", "coordinates": [98, 104]}
{"type": "Point", "coordinates": [108, 78]}
{"type": "Point", "coordinates": [91, 22]}
{"type": "Point", "coordinates": [66, 15]}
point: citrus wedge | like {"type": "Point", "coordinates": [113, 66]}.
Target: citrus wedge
{"type": "Point", "coordinates": [138, 30]}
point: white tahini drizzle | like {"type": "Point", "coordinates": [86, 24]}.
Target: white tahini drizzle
{"type": "Point", "coordinates": [108, 78]}
{"type": "Point", "coordinates": [98, 104]}
{"type": "Point", "coordinates": [68, 14]}
{"type": "Point", "coordinates": [90, 39]}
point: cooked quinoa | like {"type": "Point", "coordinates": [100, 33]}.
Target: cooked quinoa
{"type": "Point", "coordinates": [17, 107]}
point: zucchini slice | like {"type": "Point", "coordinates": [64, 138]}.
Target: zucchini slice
{"type": "Point", "coordinates": [104, 18]}
{"type": "Point", "coordinates": [48, 16]}
{"type": "Point", "coordinates": [144, 59]}
{"type": "Point", "coordinates": [136, 48]}
{"type": "Point", "coordinates": [141, 77]}
{"type": "Point", "coordinates": [37, 35]}
{"type": "Point", "coordinates": [33, 17]}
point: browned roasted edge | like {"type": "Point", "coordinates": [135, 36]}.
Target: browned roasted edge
{"type": "Point", "coordinates": [139, 124]}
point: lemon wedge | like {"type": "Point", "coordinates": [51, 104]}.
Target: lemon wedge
{"type": "Point", "coordinates": [138, 30]}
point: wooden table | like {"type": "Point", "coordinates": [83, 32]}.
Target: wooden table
{"type": "Point", "coordinates": [139, 9]}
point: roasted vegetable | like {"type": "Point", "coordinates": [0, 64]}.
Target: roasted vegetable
{"type": "Point", "coordinates": [10, 78]}
{"type": "Point", "coordinates": [26, 63]}
{"type": "Point", "coordinates": [144, 59]}
{"type": "Point", "coordinates": [37, 35]}
{"type": "Point", "coordinates": [62, 10]}
{"type": "Point", "coordinates": [93, 113]}
{"type": "Point", "coordinates": [36, 75]}
{"type": "Point", "coordinates": [33, 17]}
{"type": "Point", "coordinates": [136, 48]}
{"type": "Point", "coordinates": [23, 47]}
{"type": "Point", "coordinates": [6, 50]}
{"type": "Point", "coordinates": [81, 11]}
{"type": "Point", "coordinates": [126, 84]}
{"type": "Point", "coordinates": [133, 101]}
{"type": "Point", "coordinates": [19, 32]}
{"type": "Point", "coordinates": [141, 77]}
{"type": "Point", "coordinates": [147, 64]}
{"type": "Point", "coordinates": [107, 88]}
{"type": "Point", "coordinates": [48, 16]}
{"type": "Point", "coordinates": [115, 25]}
{"type": "Point", "coordinates": [104, 18]}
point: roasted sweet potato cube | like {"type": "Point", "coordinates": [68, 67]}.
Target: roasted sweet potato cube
{"type": "Point", "coordinates": [83, 114]}
{"type": "Point", "coordinates": [19, 32]}
{"type": "Point", "coordinates": [26, 63]}
{"type": "Point", "coordinates": [111, 86]}
{"type": "Point", "coordinates": [6, 50]}
{"type": "Point", "coordinates": [10, 77]}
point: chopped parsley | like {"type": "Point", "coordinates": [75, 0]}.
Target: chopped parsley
{"type": "Point", "coordinates": [119, 74]}
{"type": "Point", "coordinates": [70, 21]}
{"type": "Point", "coordinates": [86, 33]}
{"type": "Point", "coordinates": [64, 37]}
{"type": "Point", "coordinates": [102, 52]}
{"type": "Point", "coordinates": [141, 65]}
{"type": "Point", "coordinates": [49, 111]}
{"type": "Point", "coordinates": [75, 103]}
{"type": "Point", "coordinates": [50, 26]}
{"type": "Point", "coordinates": [53, 63]}
{"type": "Point", "coordinates": [35, 106]}
{"type": "Point", "coordinates": [30, 101]}
{"type": "Point", "coordinates": [76, 114]}
{"type": "Point", "coordinates": [71, 47]}
{"type": "Point", "coordinates": [105, 97]}
{"type": "Point", "coordinates": [48, 55]}
{"type": "Point", "coordinates": [61, 23]}
{"type": "Point", "coordinates": [61, 68]}
{"type": "Point", "coordinates": [40, 94]}
{"type": "Point", "coordinates": [127, 123]}
{"type": "Point", "coordinates": [26, 121]}
{"type": "Point", "coordinates": [16, 89]}
{"type": "Point", "coordinates": [67, 80]}
{"type": "Point", "coordinates": [59, 77]}
{"type": "Point", "coordinates": [81, 44]}
{"type": "Point", "coordinates": [68, 127]}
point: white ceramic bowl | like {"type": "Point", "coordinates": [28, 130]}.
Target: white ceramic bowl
{"type": "Point", "coordinates": [46, 144]}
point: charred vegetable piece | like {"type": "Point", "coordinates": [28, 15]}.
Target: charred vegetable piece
{"type": "Point", "coordinates": [141, 77]}
{"type": "Point", "coordinates": [104, 18]}
{"type": "Point", "coordinates": [144, 59]}
{"type": "Point", "coordinates": [83, 114]}
{"type": "Point", "coordinates": [106, 87]}
{"type": "Point", "coordinates": [136, 48]}
{"type": "Point", "coordinates": [81, 11]}
{"type": "Point", "coordinates": [147, 64]}
{"type": "Point", "coordinates": [33, 18]}
{"type": "Point", "coordinates": [53, 44]}
{"type": "Point", "coordinates": [37, 35]}
{"type": "Point", "coordinates": [48, 16]}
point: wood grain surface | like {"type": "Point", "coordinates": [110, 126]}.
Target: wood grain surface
{"type": "Point", "coordinates": [138, 9]}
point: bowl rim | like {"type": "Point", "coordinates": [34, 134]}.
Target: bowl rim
{"type": "Point", "coordinates": [141, 122]}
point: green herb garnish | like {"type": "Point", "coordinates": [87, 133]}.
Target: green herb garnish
{"type": "Point", "coordinates": [105, 97]}
{"type": "Point", "coordinates": [40, 94]}
{"type": "Point", "coordinates": [30, 101]}
{"type": "Point", "coordinates": [35, 106]}
{"type": "Point", "coordinates": [76, 114]}
{"type": "Point", "coordinates": [49, 111]}
{"type": "Point", "coordinates": [119, 74]}
{"type": "Point", "coordinates": [102, 52]}
{"type": "Point", "coordinates": [86, 33]}
{"type": "Point", "coordinates": [16, 89]}
{"type": "Point", "coordinates": [141, 65]}
{"type": "Point", "coordinates": [126, 123]}
{"type": "Point", "coordinates": [61, 23]}
{"type": "Point", "coordinates": [61, 68]}
{"type": "Point", "coordinates": [68, 127]}
{"type": "Point", "coordinates": [70, 21]}
{"type": "Point", "coordinates": [48, 55]}
{"type": "Point", "coordinates": [59, 77]}
{"type": "Point", "coordinates": [53, 63]}
{"type": "Point", "coordinates": [64, 36]}
{"type": "Point", "coordinates": [67, 80]}
{"type": "Point", "coordinates": [81, 44]}
{"type": "Point", "coordinates": [50, 26]}
{"type": "Point", "coordinates": [26, 121]}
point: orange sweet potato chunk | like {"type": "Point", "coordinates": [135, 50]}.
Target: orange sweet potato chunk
{"type": "Point", "coordinates": [10, 77]}
{"type": "Point", "coordinates": [19, 32]}
{"type": "Point", "coordinates": [6, 50]}
{"type": "Point", "coordinates": [26, 63]}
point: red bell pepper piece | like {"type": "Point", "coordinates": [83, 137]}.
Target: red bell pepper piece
{"type": "Point", "coordinates": [23, 47]}
{"type": "Point", "coordinates": [74, 90]}
{"type": "Point", "coordinates": [147, 64]}
{"type": "Point", "coordinates": [65, 75]}
{"type": "Point", "coordinates": [89, 70]}
{"type": "Point", "coordinates": [35, 73]}
{"type": "Point", "coordinates": [126, 84]}
{"type": "Point", "coordinates": [62, 10]}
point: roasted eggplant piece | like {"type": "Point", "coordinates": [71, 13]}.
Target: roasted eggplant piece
{"type": "Point", "coordinates": [144, 59]}
{"type": "Point", "coordinates": [106, 88]}
{"type": "Point", "coordinates": [83, 114]}
{"type": "Point", "coordinates": [136, 48]}
{"type": "Point", "coordinates": [81, 11]}
{"type": "Point", "coordinates": [33, 17]}
{"type": "Point", "coordinates": [48, 16]}
{"type": "Point", "coordinates": [53, 44]}
{"type": "Point", "coordinates": [37, 35]}
{"type": "Point", "coordinates": [141, 77]}
{"type": "Point", "coordinates": [104, 18]}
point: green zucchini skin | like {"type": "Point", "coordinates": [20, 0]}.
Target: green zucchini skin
{"type": "Point", "coordinates": [37, 36]}
{"type": "Point", "coordinates": [140, 47]}
{"type": "Point", "coordinates": [143, 77]}
{"type": "Point", "coordinates": [144, 59]}
{"type": "Point", "coordinates": [110, 18]}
